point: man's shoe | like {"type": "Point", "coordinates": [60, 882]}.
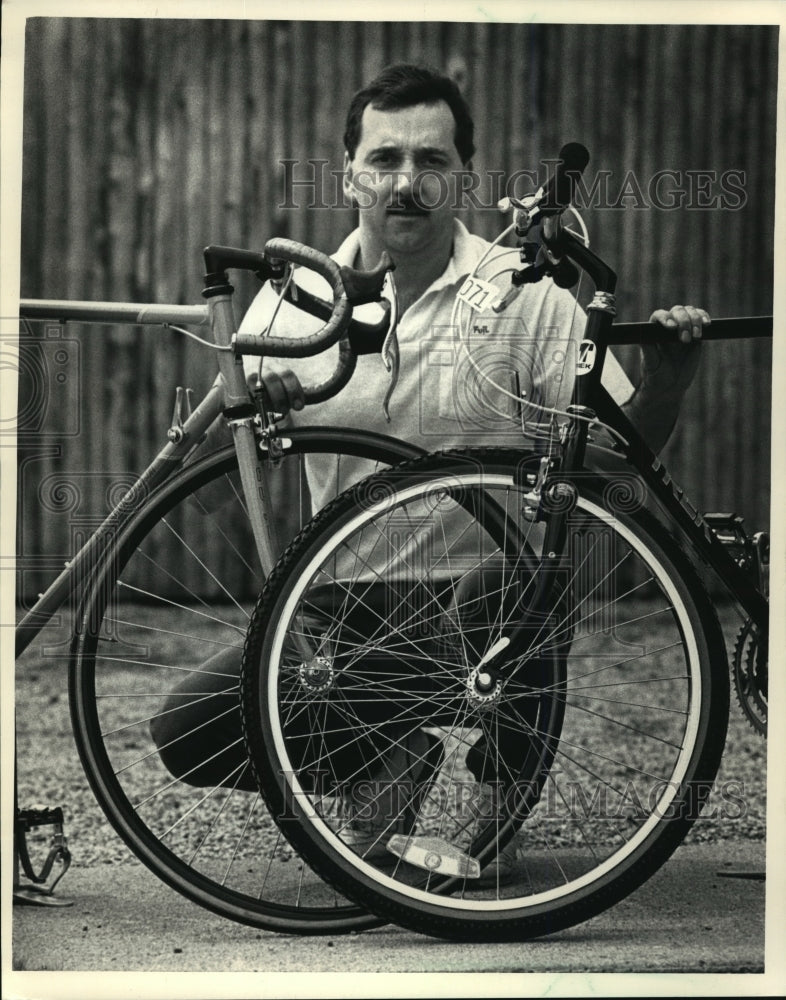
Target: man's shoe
{"type": "Point", "coordinates": [502, 869]}
{"type": "Point", "coordinates": [389, 804]}
{"type": "Point", "coordinates": [482, 806]}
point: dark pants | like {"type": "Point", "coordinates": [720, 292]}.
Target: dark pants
{"type": "Point", "coordinates": [371, 699]}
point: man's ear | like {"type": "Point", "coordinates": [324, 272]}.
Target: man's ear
{"type": "Point", "coordinates": [348, 183]}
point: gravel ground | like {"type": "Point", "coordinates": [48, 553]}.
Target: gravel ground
{"type": "Point", "coordinates": [50, 771]}
{"type": "Point", "coordinates": [737, 808]}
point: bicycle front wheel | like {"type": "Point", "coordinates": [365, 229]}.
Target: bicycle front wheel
{"type": "Point", "coordinates": [154, 685]}
{"type": "Point", "coordinates": [464, 804]}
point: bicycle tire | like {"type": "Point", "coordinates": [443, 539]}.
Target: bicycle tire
{"type": "Point", "coordinates": [209, 843]}
{"type": "Point", "coordinates": [645, 707]}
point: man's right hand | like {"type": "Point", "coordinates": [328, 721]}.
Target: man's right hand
{"type": "Point", "coordinates": [283, 391]}
{"type": "Point", "coordinates": [284, 394]}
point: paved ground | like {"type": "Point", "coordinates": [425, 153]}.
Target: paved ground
{"type": "Point", "coordinates": [689, 918]}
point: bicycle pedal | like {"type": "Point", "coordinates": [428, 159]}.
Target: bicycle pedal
{"type": "Point", "coordinates": [38, 894]}
{"type": "Point", "coordinates": [434, 855]}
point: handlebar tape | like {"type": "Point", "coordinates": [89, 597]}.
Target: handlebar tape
{"type": "Point", "coordinates": [366, 286]}
{"type": "Point", "coordinates": [345, 369]}
{"type": "Point", "coordinates": [341, 313]}
{"type": "Point", "coordinates": [364, 338]}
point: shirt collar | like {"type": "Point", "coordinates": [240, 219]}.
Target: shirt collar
{"type": "Point", "coordinates": [467, 251]}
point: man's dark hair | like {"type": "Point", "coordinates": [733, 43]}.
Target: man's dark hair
{"type": "Point", "coordinates": [403, 85]}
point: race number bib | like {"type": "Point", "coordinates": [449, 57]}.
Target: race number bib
{"type": "Point", "coordinates": [478, 294]}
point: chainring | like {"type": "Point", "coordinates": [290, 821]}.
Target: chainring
{"type": "Point", "coordinates": [750, 675]}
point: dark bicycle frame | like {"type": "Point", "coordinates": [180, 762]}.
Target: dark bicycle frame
{"type": "Point", "coordinates": [673, 499]}
{"type": "Point", "coordinates": [588, 393]}
{"type": "Point", "coordinates": [590, 400]}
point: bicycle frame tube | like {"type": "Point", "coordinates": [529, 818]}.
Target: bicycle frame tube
{"type": "Point", "coordinates": [229, 395]}
{"type": "Point", "coordinates": [687, 517]}
{"type": "Point", "coordinates": [64, 311]}
{"type": "Point", "coordinates": [589, 400]}
{"type": "Point", "coordinates": [79, 569]}
{"type": "Point", "coordinates": [589, 392]}
{"type": "Point", "coordinates": [241, 415]}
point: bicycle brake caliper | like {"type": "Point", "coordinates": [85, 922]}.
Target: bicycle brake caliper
{"type": "Point", "coordinates": [532, 497]}
{"type": "Point", "coordinates": [273, 444]}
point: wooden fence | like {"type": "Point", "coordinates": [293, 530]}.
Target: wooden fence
{"type": "Point", "coordinates": [145, 140]}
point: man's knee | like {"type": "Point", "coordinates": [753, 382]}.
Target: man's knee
{"type": "Point", "coordinates": [178, 749]}
{"type": "Point", "coordinates": [200, 738]}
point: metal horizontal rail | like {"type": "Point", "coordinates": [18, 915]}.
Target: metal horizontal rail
{"type": "Point", "coordinates": [738, 327]}
{"type": "Point", "coordinates": [63, 311]}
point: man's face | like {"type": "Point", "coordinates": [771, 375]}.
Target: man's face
{"type": "Point", "coordinates": [403, 177]}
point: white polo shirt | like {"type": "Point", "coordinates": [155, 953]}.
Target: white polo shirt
{"type": "Point", "coordinates": [452, 390]}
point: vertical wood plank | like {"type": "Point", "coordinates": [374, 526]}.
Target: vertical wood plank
{"type": "Point", "coordinates": [133, 160]}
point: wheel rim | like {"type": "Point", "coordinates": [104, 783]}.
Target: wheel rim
{"type": "Point", "coordinates": [637, 688]}
{"type": "Point", "coordinates": [169, 609]}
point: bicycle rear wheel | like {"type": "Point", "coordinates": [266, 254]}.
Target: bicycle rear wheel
{"type": "Point", "coordinates": [154, 681]}
{"type": "Point", "coordinates": [581, 769]}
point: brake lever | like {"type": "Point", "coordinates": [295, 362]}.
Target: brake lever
{"type": "Point", "coordinates": [390, 350]}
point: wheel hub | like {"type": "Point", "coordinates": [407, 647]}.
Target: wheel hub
{"type": "Point", "coordinates": [482, 687]}
{"type": "Point", "coordinates": [317, 674]}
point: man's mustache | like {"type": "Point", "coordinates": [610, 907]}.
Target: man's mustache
{"type": "Point", "coordinates": [409, 205]}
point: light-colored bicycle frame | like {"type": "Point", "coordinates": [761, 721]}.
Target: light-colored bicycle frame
{"type": "Point", "coordinates": [230, 390]}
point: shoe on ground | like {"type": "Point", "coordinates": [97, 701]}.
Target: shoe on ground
{"type": "Point", "coordinates": [502, 869]}
{"type": "Point", "coordinates": [389, 803]}
{"type": "Point", "coordinates": [480, 805]}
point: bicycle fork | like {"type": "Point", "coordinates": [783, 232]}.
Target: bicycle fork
{"type": "Point", "coordinates": [552, 498]}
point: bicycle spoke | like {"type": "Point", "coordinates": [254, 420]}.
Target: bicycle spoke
{"type": "Point", "coordinates": [159, 691]}
{"type": "Point", "coordinates": [224, 590]}
{"type": "Point", "coordinates": [145, 626]}
{"type": "Point", "coordinates": [550, 768]}
{"type": "Point", "coordinates": [179, 606]}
